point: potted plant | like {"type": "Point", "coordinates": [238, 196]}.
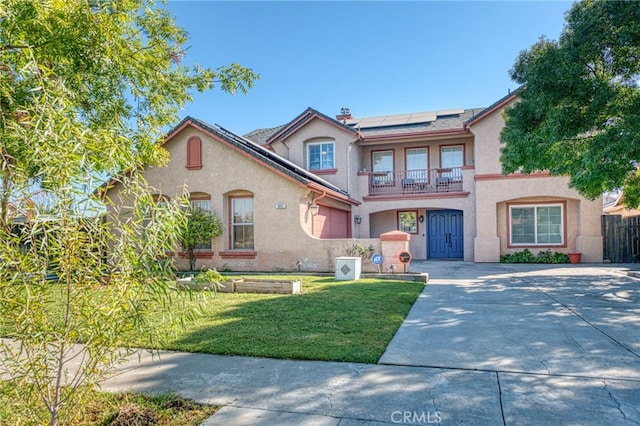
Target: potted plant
{"type": "Point", "coordinates": [574, 257]}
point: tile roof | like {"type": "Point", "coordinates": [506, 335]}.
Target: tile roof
{"type": "Point", "coordinates": [260, 153]}
{"type": "Point", "coordinates": [388, 125]}
{"type": "Point", "coordinates": [260, 136]}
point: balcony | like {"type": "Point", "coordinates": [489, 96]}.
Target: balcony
{"type": "Point", "coordinates": [415, 182]}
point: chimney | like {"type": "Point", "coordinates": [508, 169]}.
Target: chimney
{"type": "Point", "coordinates": [345, 114]}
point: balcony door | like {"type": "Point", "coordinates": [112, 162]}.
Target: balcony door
{"type": "Point", "coordinates": [417, 161]}
{"type": "Point", "coordinates": [382, 168]}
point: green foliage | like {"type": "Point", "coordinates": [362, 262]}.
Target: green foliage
{"type": "Point", "coordinates": [205, 280]}
{"type": "Point", "coordinates": [98, 81]}
{"type": "Point", "coordinates": [87, 89]}
{"type": "Point", "coordinates": [209, 276]}
{"type": "Point", "coordinates": [579, 109]}
{"type": "Point", "coordinates": [108, 277]}
{"type": "Point", "coordinates": [201, 227]}
{"type": "Point", "coordinates": [107, 408]}
{"type": "Point", "coordinates": [357, 250]}
{"type": "Point", "coordinates": [525, 256]}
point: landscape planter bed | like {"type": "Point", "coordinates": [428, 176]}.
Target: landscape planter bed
{"type": "Point", "coordinates": [244, 285]}
{"type": "Point", "coordinates": [251, 285]}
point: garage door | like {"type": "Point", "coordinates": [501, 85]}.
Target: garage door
{"type": "Point", "coordinates": [331, 223]}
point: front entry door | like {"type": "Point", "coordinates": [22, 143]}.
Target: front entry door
{"type": "Point", "coordinates": [446, 234]}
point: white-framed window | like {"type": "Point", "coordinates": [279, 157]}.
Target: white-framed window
{"type": "Point", "coordinates": [204, 205]}
{"type": "Point", "coordinates": [242, 224]}
{"type": "Point", "coordinates": [451, 156]}
{"type": "Point", "coordinates": [541, 224]}
{"type": "Point", "coordinates": [321, 155]}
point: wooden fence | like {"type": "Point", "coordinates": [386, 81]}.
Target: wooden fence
{"type": "Point", "coordinates": [621, 238]}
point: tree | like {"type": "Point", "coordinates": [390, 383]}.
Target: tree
{"type": "Point", "coordinates": [201, 227]}
{"type": "Point", "coordinates": [579, 108]}
{"type": "Point", "coordinates": [87, 90]}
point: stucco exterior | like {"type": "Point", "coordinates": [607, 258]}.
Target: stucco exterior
{"type": "Point", "coordinates": [495, 192]}
{"type": "Point", "coordinates": [435, 175]}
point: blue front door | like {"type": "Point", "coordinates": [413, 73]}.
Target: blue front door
{"type": "Point", "coordinates": [446, 234]}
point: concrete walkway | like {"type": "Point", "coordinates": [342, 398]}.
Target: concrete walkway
{"type": "Point", "coordinates": [484, 344]}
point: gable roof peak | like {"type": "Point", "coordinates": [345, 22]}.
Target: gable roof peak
{"type": "Point", "coordinates": [510, 96]}
{"type": "Point", "coordinates": [305, 117]}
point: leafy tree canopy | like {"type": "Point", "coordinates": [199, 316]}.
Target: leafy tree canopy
{"type": "Point", "coordinates": [87, 88]}
{"type": "Point", "coordinates": [96, 80]}
{"type": "Point", "coordinates": [201, 226]}
{"type": "Point", "coordinates": [579, 109]}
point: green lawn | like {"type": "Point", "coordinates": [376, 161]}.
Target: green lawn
{"type": "Point", "coordinates": [105, 408]}
{"type": "Point", "coordinates": [330, 320]}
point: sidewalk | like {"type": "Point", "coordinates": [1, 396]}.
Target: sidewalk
{"type": "Point", "coordinates": [483, 345]}
{"type": "Point", "coordinates": [259, 391]}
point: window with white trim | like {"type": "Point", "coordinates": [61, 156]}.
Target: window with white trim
{"type": "Point", "coordinates": [321, 155]}
{"type": "Point", "coordinates": [242, 223]}
{"type": "Point", "coordinates": [451, 156]}
{"type": "Point", "coordinates": [536, 224]}
{"type": "Point", "coordinates": [203, 205]}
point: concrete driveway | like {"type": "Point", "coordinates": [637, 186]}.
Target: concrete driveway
{"type": "Point", "coordinates": [563, 342]}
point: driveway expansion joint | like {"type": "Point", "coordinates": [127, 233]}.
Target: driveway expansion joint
{"type": "Point", "coordinates": [504, 422]}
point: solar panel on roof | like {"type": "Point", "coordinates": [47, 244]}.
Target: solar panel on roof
{"type": "Point", "coordinates": [455, 111]}
{"type": "Point", "coordinates": [402, 119]}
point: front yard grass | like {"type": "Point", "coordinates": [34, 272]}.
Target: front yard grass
{"type": "Point", "coordinates": [331, 321]}
{"type": "Point", "coordinates": [114, 409]}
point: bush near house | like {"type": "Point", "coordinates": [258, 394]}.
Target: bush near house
{"type": "Point", "coordinates": [525, 256]}
{"type": "Point", "coordinates": [201, 226]}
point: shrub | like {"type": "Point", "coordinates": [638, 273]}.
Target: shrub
{"type": "Point", "coordinates": [209, 276]}
{"type": "Point", "coordinates": [525, 256]}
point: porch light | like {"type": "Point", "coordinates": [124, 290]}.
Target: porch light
{"type": "Point", "coordinates": [357, 219]}
{"type": "Point", "coordinates": [313, 209]}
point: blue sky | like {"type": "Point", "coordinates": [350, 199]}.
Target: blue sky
{"type": "Point", "coordinates": [376, 58]}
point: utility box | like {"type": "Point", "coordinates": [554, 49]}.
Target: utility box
{"type": "Point", "coordinates": [348, 268]}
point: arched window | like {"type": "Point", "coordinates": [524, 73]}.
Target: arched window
{"type": "Point", "coordinates": [194, 153]}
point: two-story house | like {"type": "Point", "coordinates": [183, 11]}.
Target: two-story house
{"type": "Point", "coordinates": [290, 196]}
